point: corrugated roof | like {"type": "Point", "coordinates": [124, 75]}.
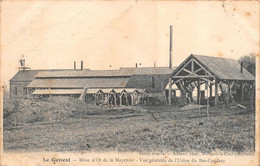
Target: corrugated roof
{"type": "Point", "coordinates": [145, 82]}
{"type": "Point", "coordinates": [224, 68]}
{"type": "Point", "coordinates": [57, 91]}
{"type": "Point", "coordinates": [122, 72]}
{"type": "Point", "coordinates": [79, 83]}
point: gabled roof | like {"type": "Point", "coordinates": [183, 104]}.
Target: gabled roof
{"type": "Point", "coordinates": [114, 90]}
{"type": "Point", "coordinates": [24, 75]}
{"type": "Point", "coordinates": [222, 68]}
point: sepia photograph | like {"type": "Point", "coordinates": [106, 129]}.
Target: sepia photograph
{"type": "Point", "coordinates": [129, 82]}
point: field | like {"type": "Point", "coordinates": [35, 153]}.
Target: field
{"type": "Point", "coordinates": [67, 124]}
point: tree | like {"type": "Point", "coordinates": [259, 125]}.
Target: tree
{"type": "Point", "coordinates": [248, 62]}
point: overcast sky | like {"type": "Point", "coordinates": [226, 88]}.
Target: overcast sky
{"type": "Point", "coordinates": [53, 34]}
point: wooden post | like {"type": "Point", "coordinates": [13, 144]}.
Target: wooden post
{"type": "Point", "coordinates": [142, 101]}
{"type": "Point", "coordinates": [120, 100]}
{"type": "Point", "coordinates": [230, 85]}
{"type": "Point", "coordinates": [115, 99]}
{"type": "Point", "coordinates": [86, 98]}
{"type": "Point", "coordinates": [170, 91]}
{"type": "Point", "coordinates": [210, 90]}
{"type": "Point", "coordinates": [229, 93]}
{"type": "Point", "coordinates": [207, 88]}
{"type": "Point", "coordinates": [132, 99]}
{"type": "Point", "coordinates": [198, 92]}
{"type": "Point", "coordinates": [27, 92]}
{"type": "Point", "coordinates": [216, 92]}
{"type": "Point", "coordinates": [242, 91]}
{"type": "Point", "coordinates": [183, 92]}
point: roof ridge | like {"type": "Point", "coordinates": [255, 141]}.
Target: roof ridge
{"type": "Point", "coordinates": [212, 57]}
{"type": "Point", "coordinates": [143, 67]}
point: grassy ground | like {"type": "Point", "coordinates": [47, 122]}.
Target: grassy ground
{"type": "Point", "coordinates": [66, 124]}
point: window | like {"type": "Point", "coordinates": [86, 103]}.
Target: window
{"type": "Point", "coordinates": [15, 90]}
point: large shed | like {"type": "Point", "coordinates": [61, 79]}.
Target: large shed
{"type": "Point", "coordinates": [197, 70]}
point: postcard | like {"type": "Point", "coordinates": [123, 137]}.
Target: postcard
{"type": "Point", "coordinates": [129, 83]}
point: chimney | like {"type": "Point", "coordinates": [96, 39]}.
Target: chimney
{"type": "Point", "coordinates": [153, 85]}
{"type": "Point", "coordinates": [75, 67]}
{"type": "Point", "coordinates": [81, 65]}
{"type": "Point", "coordinates": [22, 61]}
{"type": "Point", "coordinates": [170, 58]}
{"type": "Point", "coordinates": [241, 70]}
{"type": "Point", "coordinates": [136, 65]}
{"type": "Point", "coordinates": [154, 64]}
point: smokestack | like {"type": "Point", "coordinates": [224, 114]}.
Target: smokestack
{"type": "Point", "coordinates": [154, 64]}
{"type": "Point", "coordinates": [153, 85]}
{"type": "Point", "coordinates": [241, 70]}
{"type": "Point", "coordinates": [81, 65]}
{"type": "Point", "coordinates": [170, 58]}
{"type": "Point", "coordinates": [75, 67]}
{"type": "Point", "coordinates": [136, 65]}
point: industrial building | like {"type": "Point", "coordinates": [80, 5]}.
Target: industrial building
{"type": "Point", "coordinates": [197, 79]}
{"type": "Point", "coordinates": [126, 86]}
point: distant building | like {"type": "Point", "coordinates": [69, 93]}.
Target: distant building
{"type": "Point", "coordinates": [125, 86]}
{"type": "Point", "coordinates": [107, 85]}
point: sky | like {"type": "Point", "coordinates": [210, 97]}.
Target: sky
{"type": "Point", "coordinates": [54, 34]}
